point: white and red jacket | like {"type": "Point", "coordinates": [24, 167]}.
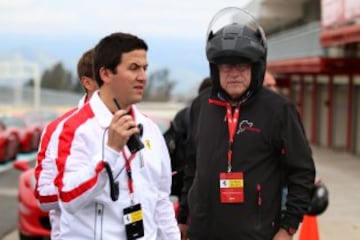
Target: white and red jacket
{"type": "Point", "coordinates": [87, 211]}
{"type": "Point", "coordinates": [45, 170]}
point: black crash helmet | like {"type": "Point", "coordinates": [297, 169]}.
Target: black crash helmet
{"type": "Point", "coordinates": [319, 199]}
{"type": "Point", "coordinates": [233, 36]}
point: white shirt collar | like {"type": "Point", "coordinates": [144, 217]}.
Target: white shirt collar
{"type": "Point", "coordinates": [104, 115]}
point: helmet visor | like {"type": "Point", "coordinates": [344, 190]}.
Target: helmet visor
{"type": "Point", "coordinates": [233, 15]}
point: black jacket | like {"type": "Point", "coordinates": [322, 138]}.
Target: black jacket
{"type": "Point", "coordinates": [176, 140]}
{"type": "Point", "coordinates": [269, 123]}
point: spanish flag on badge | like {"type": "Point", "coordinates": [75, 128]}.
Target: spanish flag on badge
{"type": "Point", "coordinates": [232, 187]}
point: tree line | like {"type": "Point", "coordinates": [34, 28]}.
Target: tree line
{"type": "Point", "coordinates": [159, 83]}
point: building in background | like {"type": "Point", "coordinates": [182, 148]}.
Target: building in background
{"type": "Point", "coordinates": [314, 54]}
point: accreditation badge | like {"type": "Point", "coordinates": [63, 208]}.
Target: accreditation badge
{"type": "Point", "coordinates": [133, 220]}
{"type": "Point", "coordinates": [232, 187]}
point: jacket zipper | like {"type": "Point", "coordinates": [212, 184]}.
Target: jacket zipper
{"type": "Point", "coordinates": [99, 208]}
{"type": "Point", "coordinates": [259, 204]}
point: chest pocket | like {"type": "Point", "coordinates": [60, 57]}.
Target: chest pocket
{"type": "Point", "coordinates": [148, 163]}
{"type": "Point", "coordinates": [145, 168]}
{"type": "Point", "coordinates": [249, 139]}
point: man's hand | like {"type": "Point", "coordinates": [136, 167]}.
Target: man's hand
{"type": "Point", "coordinates": [122, 126]}
{"type": "Point", "coordinates": [282, 234]}
{"type": "Point", "coordinates": [183, 229]}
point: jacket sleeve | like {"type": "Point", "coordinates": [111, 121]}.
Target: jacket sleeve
{"type": "Point", "coordinates": [299, 166]}
{"type": "Point", "coordinates": [164, 212]}
{"type": "Point", "coordinates": [81, 175]}
{"type": "Point", "coordinates": [45, 172]}
{"type": "Point", "coordinates": [189, 165]}
{"type": "Point", "coordinates": [189, 173]}
{"type": "Point", "coordinates": [45, 168]}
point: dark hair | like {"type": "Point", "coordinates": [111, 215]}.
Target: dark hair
{"type": "Point", "coordinates": [109, 51]}
{"type": "Point", "coordinates": [85, 64]}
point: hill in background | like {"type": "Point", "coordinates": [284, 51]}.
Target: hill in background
{"type": "Point", "coordinates": [185, 58]}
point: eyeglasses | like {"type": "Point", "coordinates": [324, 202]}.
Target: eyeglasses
{"type": "Point", "coordinates": [241, 67]}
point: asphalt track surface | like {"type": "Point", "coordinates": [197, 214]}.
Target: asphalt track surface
{"type": "Point", "coordinates": [339, 171]}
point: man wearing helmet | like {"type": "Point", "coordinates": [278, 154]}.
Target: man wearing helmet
{"type": "Point", "coordinates": [233, 178]}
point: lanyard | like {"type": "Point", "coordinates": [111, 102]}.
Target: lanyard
{"type": "Point", "coordinates": [128, 171]}
{"type": "Point", "coordinates": [232, 120]}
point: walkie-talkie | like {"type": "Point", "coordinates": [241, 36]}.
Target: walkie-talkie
{"type": "Point", "coordinates": [134, 143]}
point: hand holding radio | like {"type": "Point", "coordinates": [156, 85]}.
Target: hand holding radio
{"type": "Point", "coordinates": [123, 130]}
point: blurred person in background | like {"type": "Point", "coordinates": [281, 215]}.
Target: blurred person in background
{"type": "Point", "coordinates": [114, 179]}
{"type": "Point", "coordinates": [238, 130]}
{"type": "Point", "coordinates": [270, 82]}
{"type": "Point", "coordinates": [45, 169]}
{"type": "Point", "coordinates": [176, 138]}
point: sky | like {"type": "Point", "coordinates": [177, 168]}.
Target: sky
{"type": "Point", "coordinates": [175, 30]}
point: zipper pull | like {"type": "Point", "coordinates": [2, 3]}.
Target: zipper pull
{"type": "Point", "coordinates": [258, 188]}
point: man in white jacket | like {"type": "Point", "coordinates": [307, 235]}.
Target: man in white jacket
{"type": "Point", "coordinates": [110, 185]}
{"type": "Point", "coordinates": [45, 169]}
